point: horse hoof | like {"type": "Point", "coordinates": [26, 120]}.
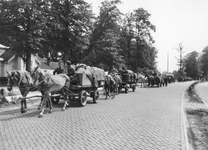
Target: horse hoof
{"type": "Point", "coordinates": [63, 109]}
{"type": "Point", "coordinates": [40, 116]}
{"type": "Point", "coordinates": [50, 112]}
{"type": "Point", "coordinates": [23, 111]}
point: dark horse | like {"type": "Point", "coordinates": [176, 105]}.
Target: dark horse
{"type": "Point", "coordinates": [151, 80]}
{"type": "Point", "coordinates": [110, 86]}
{"type": "Point", "coordinates": [50, 84]}
{"type": "Point", "coordinates": [23, 80]}
{"type": "Point", "coordinates": [157, 81]}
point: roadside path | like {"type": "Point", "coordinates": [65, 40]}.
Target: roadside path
{"type": "Point", "coordinates": [202, 90]}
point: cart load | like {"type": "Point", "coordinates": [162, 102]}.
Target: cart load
{"type": "Point", "coordinates": [90, 76]}
{"type": "Point", "coordinates": [128, 76]}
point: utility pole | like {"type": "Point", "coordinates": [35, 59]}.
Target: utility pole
{"type": "Point", "coordinates": [168, 61]}
{"type": "Point", "coordinates": [181, 59]}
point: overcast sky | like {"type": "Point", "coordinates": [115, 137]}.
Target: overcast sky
{"type": "Point", "coordinates": [176, 21]}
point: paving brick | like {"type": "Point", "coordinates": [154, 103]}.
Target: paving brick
{"type": "Point", "coordinates": [148, 119]}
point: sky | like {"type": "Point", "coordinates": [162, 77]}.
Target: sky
{"type": "Point", "coordinates": [176, 21]}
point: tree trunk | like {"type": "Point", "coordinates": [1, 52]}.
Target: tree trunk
{"type": "Point", "coordinates": [28, 61]}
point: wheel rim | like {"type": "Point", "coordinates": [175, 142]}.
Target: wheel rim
{"type": "Point", "coordinates": [55, 100]}
{"type": "Point", "coordinates": [96, 96]}
{"type": "Point", "coordinates": [83, 98]}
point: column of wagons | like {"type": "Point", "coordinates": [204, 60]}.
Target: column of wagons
{"type": "Point", "coordinates": [89, 80]}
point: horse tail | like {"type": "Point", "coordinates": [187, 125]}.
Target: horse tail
{"type": "Point", "coordinates": [67, 83]}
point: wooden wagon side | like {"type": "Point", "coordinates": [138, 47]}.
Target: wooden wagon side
{"type": "Point", "coordinates": [128, 80]}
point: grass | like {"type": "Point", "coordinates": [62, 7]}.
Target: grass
{"type": "Point", "coordinates": [198, 121]}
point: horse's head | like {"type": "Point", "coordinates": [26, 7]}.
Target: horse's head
{"type": "Point", "coordinates": [37, 75]}
{"type": "Point", "coordinates": [14, 79]}
{"type": "Point", "coordinates": [146, 76]}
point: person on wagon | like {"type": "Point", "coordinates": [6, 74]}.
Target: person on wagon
{"type": "Point", "coordinates": [60, 69]}
{"type": "Point", "coordinates": [70, 70]}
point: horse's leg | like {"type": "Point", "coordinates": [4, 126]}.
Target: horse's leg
{"type": "Point", "coordinates": [50, 104]}
{"type": "Point", "coordinates": [24, 93]}
{"type": "Point", "coordinates": [25, 104]}
{"type": "Point", "coordinates": [41, 103]}
{"type": "Point", "coordinates": [22, 109]}
{"type": "Point", "coordinates": [65, 99]}
{"type": "Point", "coordinates": [113, 92]}
{"type": "Point", "coordinates": [45, 97]}
{"type": "Point", "coordinates": [106, 93]}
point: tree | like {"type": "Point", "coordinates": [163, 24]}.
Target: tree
{"type": "Point", "coordinates": [138, 48]}
{"type": "Point", "coordinates": [180, 60]}
{"type": "Point", "coordinates": [204, 61]}
{"type": "Point", "coordinates": [105, 35]}
{"type": "Point", "coordinates": [191, 65]}
{"type": "Point", "coordinates": [70, 23]}
{"type": "Point", "coordinates": [21, 26]}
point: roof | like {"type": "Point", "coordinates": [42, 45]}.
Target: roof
{"type": "Point", "coordinates": [3, 47]}
{"type": "Point", "coordinates": [7, 55]}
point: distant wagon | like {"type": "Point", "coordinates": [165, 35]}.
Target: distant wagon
{"type": "Point", "coordinates": [85, 83]}
{"type": "Point", "coordinates": [129, 80]}
{"type": "Point", "coordinates": [170, 77]}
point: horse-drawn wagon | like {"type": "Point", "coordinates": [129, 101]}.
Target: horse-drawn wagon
{"type": "Point", "coordinates": [128, 80]}
{"type": "Point", "coordinates": [85, 83]}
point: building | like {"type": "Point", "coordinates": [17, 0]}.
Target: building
{"type": "Point", "coordinates": [10, 61]}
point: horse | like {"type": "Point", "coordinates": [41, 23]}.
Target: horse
{"type": "Point", "coordinates": [157, 80]}
{"type": "Point", "coordinates": [142, 79]}
{"type": "Point", "coordinates": [164, 80]}
{"type": "Point", "coordinates": [110, 86]}
{"type": "Point", "coordinates": [118, 80]}
{"type": "Point", "coordinates": [49, 83]}
{"type": "Point", "coordinates": [23, 80]}
{"type": "Point", "coordinates": [151, 80]}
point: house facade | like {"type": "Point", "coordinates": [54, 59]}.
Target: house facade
{"type": "Point", "coordinates": [10, 61]}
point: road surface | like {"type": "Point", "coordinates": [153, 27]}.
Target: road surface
{"type": "Point", "coordinates": [147, 119]}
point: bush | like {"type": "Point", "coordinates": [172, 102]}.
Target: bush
{"type": "Point", "coordinates": [3, 81]}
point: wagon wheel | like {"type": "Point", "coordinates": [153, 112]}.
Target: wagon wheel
{"type": "Point", "coordinates": [83, 98]}
{"type": "Point", "coordinates": [126, 90]}
{"type": "Point", "coordinates": [55, 100]}
{"type": "Point", "coordinates": [95, 96]}
{"type": "Point", "coordinates": [133, 88]}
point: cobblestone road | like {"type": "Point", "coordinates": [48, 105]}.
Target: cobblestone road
{"type": "Point", "coordinates": [148, 119]}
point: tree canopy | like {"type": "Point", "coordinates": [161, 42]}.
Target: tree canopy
{"type": "Point", "coordinates": [70, 28]}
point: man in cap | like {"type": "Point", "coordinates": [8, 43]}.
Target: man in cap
{"type": "Point", "coordinates": [60, 69]}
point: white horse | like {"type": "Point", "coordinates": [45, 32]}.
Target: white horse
{"type": "Point", "coordinates": [48, 83]}
{"type": "Point", "coordinates": [142, 80]}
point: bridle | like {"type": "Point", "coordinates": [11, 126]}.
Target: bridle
{"type": "Point", "coordinates": [14, 78]}
{"type": "Point", "coordinates": [36, 75]}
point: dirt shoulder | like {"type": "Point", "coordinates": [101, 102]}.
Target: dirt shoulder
{"type": "Point", "coordinates": [197, 119]}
